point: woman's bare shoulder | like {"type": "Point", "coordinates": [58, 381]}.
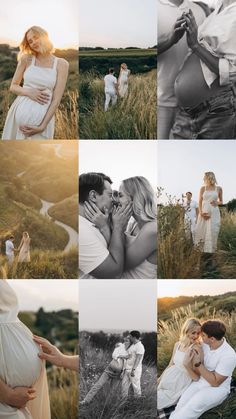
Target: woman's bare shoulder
{"type": "Point", "coordinates": [150, 228]}
{"type": "Point", "coordinates": [26, 59]}
{"type": "Point", "coordinates": [62, 63]}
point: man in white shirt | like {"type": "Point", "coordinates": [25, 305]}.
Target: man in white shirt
{"type": "Point", "coordinates": [99, 258]}
{"type": "Point", "coordinates": [172, 50]}
{"type": "Point", "coordinates": [191, 213]}
{"type": "Point", "coordinates": [110, 82]}
{"type": "Point", "coordinates": [10, 249]}
{"type": "Point", "coordinates": [215, 374]}
{"type": "Point", "coordinates": [133, 369]}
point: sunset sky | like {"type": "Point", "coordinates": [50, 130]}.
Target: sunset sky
{"type": "Point", "coordinates": [193, 287]}
{"type": "Point", "coordinates": [58, 17]}
{"type": "Point", "coordinates": [118, 24]}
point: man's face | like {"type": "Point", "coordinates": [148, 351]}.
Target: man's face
{"type": "Point", "coordinates": [189, 196]}
{"type": "Point", "coordinates": [105, 200]}
{"type": "Point", "coordinates": [206, 338]}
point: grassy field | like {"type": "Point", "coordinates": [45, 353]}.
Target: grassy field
{"type": "Point", "coordinates": [61, 326]}
{"type": "Point", "coordinates": [66, 211]}
{"type": "Point", "coordinates": [177, 258]}
{"type": "Point", "coordinates": [66, 123]}
{"type": "Point", "coordinates": [170, 322]}
{"type": "Point", "coordinates": [107, 403]}
{"type": "Point", "coordinates": [134, 117]}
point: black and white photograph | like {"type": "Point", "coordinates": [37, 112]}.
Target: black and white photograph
{"type": "Point", "coordinates": [196, 349]}
{"type": "Point", "coordinates": [118, 210]}
{"type": "Point", "coordinates": [117, 349]}
{"type": "Point", "coordinates": [196, 69]}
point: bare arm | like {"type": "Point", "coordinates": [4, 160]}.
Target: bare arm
{"type": "Point", "coordinates": [211, 377]}
{"type": "Point", "coordinates": [200, 199]}
{"type": "Point", "coordinates": [171, 361]}
{"type": "Point", "coordinates": [16, 397]}
{"type": "Point", "coordinates": [142, 247]}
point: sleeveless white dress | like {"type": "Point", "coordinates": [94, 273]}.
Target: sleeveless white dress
{"type": "Point", "coordinates": [123, 82]}
{"type": "Point", "coordinates": [24, 254]}
{"type": "Point", "coordinates": [207, 231]}
{"type": "Point", "coordinates": [173, 383]}
{"type": "Point", "coordinates": [25, 111]}
{"type": "Point", "coordinates": [19, 361]}
{"type": "Point", "coordinates": [146, 269]}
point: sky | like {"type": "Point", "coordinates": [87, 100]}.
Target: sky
{"type": "Point", "coordinates": [187, 287]}
{"type": "Point", "coordinates": [182, 163]}
{"type": "Point", "coordinates": [49, 294]}
{"type": "Point", "coordinates": [60, 18]}
{"type": "Point", "coordinates": [119, 159]}
{"type": "Point", "coordinates": [118, 24]}
{"type": "Point", "coordinates": [117, 305]}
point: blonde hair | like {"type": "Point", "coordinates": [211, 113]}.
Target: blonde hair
{"type": "Point", "coordinates": [210, 176]}
{"type": "Point", "coordinates": [25, 233]}
{"type": "Point", "coordinates": [124, 65]}
{"type": "Point", "coordinates": [46, 44]}
{"type": "Point", "coordinates": [186, 328]}
{"type": "Point", "coordinates": [143, 197]}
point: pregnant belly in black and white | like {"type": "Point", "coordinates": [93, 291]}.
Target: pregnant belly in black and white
{"type": "Point", "coordinates": [190, 86]}
{"type": "Point", "coordinates": [19, 361]}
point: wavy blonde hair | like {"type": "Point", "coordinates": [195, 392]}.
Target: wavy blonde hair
{"type": "Point", "coordinates": [186, 328]}
{"type": "Point", "coordinates": [210, 176]}
{"type": "Point", "coordinates": [46, 44]}
{"type": "Point", "coordinates": [143, 197]}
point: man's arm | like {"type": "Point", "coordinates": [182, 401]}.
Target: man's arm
{"type": "Point", "coordinates": [16, 397]}
{"type": "Point", "coordinates": [138, 358]}
{"type": "Point", "coordinates": [212, 377]}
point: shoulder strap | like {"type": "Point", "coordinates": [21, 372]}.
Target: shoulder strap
{"type": "Point", "coordinates": [55, 63]}
{"type": "Point", "coordinates": [33, 60]}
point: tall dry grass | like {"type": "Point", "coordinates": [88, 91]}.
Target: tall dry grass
{"type": "Point", "coordinates": [134, 117]}
{"type": "Point", "coordinates": [63, 392]}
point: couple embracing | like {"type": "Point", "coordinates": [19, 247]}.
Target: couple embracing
{"type": "Point", "coordinates": [199, 374]}
{"type": "Point", "coordinates": [117, 231]}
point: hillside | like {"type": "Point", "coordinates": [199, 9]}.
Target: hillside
{"type": "Point", "coordinates": [66, 211]}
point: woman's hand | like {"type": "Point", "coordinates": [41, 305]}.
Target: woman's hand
{"type": "Point", "coordinates": [178, 30]}
{"type": "Point", "coordinates": [191, 30]}
{"type": "Point", "coordinates": [188, 358]}
{"type": "Point", "coordinates": [39, 95]}
{"type": "Point", "coordinates": [29, 131]}
{"type": "Point", "coordinates": [205, 215]}
{"type": "Point", "coordinates": [97, 217]}
{"type": "Point", "coordinates": [214, 203]}
{"type": "Point", "coordinates": [18, 397]}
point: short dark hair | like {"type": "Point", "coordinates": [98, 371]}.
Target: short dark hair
{"type": "Point", "coordinates": [189, 192]}
{"type": "Point", "coordinates": [11, 237]}
{"type": "Point", "coordinates": [111, 70]}
{"type": "Point", "coordinates": [214, 328]}
{"type": "Point", "coordinates": [91, 181]}
{"type": "Point", "coordinates": [135, 334]}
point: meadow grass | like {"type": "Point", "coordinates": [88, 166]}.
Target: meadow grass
{"type": "Point", "coordinates": [63, 392]}
{"type": "Point", "coordinates": [107, 404]}
{"type": "Point", "coordinates": [134, 117]}
{"type": "Point", "coordinates": [168, 335]}
{"type": "Point", "coordinates": [178, 258]}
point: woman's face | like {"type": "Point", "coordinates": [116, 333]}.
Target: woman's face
{"type": "Point", "coordinates": [194, 334]}
{"type": "Point", "coordinates": [127, 342]}
{"type": "Point", "coordinates": [33, 41]}
{"type": "Point", "coordinates": [124, 198]}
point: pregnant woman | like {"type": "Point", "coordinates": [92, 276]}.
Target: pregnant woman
{"type": "Point", "coordinates": [208, 223]}
{"type": "Point", "coordinates": [24, 248]}
{"type": "Point", "coordinates": [31, 116]}
{"type": "Point", "coordinates": [20, 365]}
{"type": "Point", "coordinates": [123, 80]}
{"type": "Point", "coordinates": [205, 85]}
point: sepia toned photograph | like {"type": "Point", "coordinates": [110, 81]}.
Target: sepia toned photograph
{"type": "Point", "coordinates": [118, 70]}
{"type": "Point", "coordinates": [39, 70]}
{"type": "Point", "coordinates": [39, 347]}
{"type": "Point", "coordinates": [39, 210]}
{"type": "Point", "coordinates": [196, 70]}
{"type": "Point", "coordinates": [117, 210]}
{"type": "Point", "coordinates": [196, 210]}
{"type": "Point", "coordinates": [117, 350]}
{"type": "Point", "coordinates": [196, 356]}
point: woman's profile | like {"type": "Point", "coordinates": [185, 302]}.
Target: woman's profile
{"type": "Point", "coordinates": [44, 76]}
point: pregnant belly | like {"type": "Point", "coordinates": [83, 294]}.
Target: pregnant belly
{"type": "Point", "coordinates": [29, 112]}
{"type": "Point", "coordinates": [19, 361]}
{"type": "Point", "coordinates": [190, 86]}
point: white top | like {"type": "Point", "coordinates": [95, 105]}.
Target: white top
{"type": "Point", "coordinates": [9, 248]}
{"type": "Point", "coordinates": [133, 350]}
{"type": "Point", "coordinates": [110, 83]}
{"type": "Point", "coordinates": [92, 248]}
{"type": "Point", "coordinates": [118, 351]}
{"type": "Point", "coordinates": [221, 360]}
{"type": "Point", "coordinates": [217, 34]}
{"type": "Point", "coordinates": [190, 210]}
{"type": "Point", "coordinates": [170, 61]}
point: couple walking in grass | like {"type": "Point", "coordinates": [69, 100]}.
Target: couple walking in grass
{"type": "Point", "coordinates": [23, 249]}
{"type": "Point", "coordinates": [199, 373]}
{"type": "Point", "coordinates": [125, 369]}
{"type": "Point", "coordinates": [114, 87]}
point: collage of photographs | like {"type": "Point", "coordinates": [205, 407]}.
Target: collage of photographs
{"type": "Point", "coordinates": [117, 209]}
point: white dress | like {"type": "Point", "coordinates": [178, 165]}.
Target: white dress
{"type": "Point", "coordinates": [19, 361]}
{"type": "Point", "coordinates": [207, 231]}
{"type": "Point", "coordinates": [123, 82]}
{"type": "Point", "coordinates": [25, 111]}
{"type": "Point", "coordinates": [174, 382]}
{"type": "Point", "coordinates": [24, 254]}
{"type": "Point", "coordinates": [146, 269]}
